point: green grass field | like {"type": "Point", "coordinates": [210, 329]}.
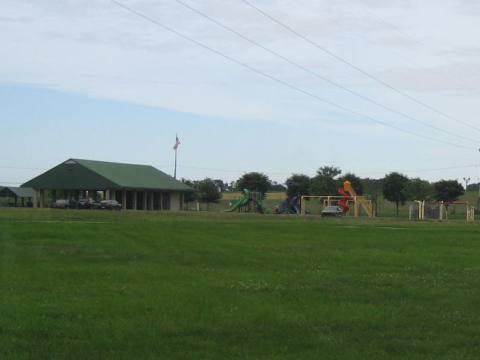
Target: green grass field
{"type": "Point", "coordinates": [101, 285]}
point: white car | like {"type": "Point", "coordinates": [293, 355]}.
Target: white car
{"type": "Point", "coordinates": [61, 204]}
{"type": "Point", "coordinates": [108, 205]}
{"type": "Point", "coordinates": [332, 211]}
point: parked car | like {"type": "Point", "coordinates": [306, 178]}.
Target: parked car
{"type": "Point", "coordinates": [108, 205]}
{"type": "Point", "coordinates": [61, 204]}
{"type": "Point", "coordinates": [85, 203]}
{"type": "Point", "coordinates": [332, 211]}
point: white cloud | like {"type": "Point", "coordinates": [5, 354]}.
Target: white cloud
{"type": "Point", "coordinates": [94, 47]}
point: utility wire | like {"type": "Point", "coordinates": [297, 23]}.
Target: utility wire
{"type": "Point", "coordinates": [412, 61]}
{"type": "Point", "coordinates": [369, 75]}
{"type": "Point", "coordinates": [232, 170]}
{"type": "Point", "coordinates": [410, 171]}
{"type": "Point", "coordinates": [360, 173]}
{"type": "Point", "coordinates": [277, 80]}
{"type": "Point", "coordinates": [324, 78]}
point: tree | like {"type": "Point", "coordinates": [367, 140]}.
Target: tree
{"type": "Point", "coordinates": [448, 190]}
{"type": "Point", "coordinates": [329, 171]}
{"type": "Point", "coordinates": [275, 186]}
{"type": "Point", "coordinates": [207, 191]}
{"type": "Point", "coordinates": [395, 188]}
{"type": "Point", "coordinates": [419, 189]}
{"type": "Point", "coordinates": [222, 186]}
{"type": "Point", "coordinates": [372, 186]}
{"type": "Point", "coordinates": [324, 183]}
{"type": "Point", "coordinates": [473, 187]}
{"type": "Point", "coordinates": [190, 195]}
{"type": "Point", "coordinates": [298, 185]}
{"type": "Point", "coordinates": [354, 180]}
{"type": "Point", "coordinates": [254, 181]}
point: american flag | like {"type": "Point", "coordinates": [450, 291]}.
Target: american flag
{"type": "Point", "coordinates": [177, 142]}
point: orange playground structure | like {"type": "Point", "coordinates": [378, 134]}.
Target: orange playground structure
{"type": "Point", "coordinates": [347, 201]}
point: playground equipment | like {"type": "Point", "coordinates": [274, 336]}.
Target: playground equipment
{"type": "Point", "coordinates": [348, 200]}
{"type": "Point", "coordinates": [249, 202]}
{"type": "Point", "coordinates": [438, 210]}
{"type": "Point", "coordinates": [289, 206]}
{"type": "Point", "coordinates": [344, 202]}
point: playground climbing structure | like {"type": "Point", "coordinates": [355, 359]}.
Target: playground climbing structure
{"type": "Point", "coordinates": [439, 210]}
{"type": "Point", "coordinates": [249, 202]}
{"type": "Point", "coordinates": [348, 201]}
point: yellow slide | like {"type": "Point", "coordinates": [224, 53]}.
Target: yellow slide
{"type": "Point", "coordinates": [364, 203]}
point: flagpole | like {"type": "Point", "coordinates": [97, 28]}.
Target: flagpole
{"type": "Point", "coordinates": [175, 147]}
{"type": "Point", "coordinates": [175, 171]}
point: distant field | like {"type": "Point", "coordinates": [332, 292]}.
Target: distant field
{"type": "Point", "coordinates": [101, 285]}
{"type": "Point", "coordinates": [275, 196]}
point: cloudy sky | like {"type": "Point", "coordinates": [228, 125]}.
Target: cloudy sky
{"type": "Point", "coordinates": [89, 79]}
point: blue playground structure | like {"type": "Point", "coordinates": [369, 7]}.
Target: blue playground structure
{"type": "Point", "coordinates": [289, 206]}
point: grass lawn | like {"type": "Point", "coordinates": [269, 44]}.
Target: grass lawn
{"type": "Point", "coordinates": [101, 285]}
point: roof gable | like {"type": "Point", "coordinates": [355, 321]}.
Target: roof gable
{"type": "Point", "coordinates": [70, 175]}
{"type": "Point", "coordinates": [134, 175]}
{"type": "Point", "coordinates": [82, 174]}
{"type": "Point", "coordinates": [17, 191]}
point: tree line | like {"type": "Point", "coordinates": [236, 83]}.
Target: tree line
{"type": "Point", "coordinates": [394, 187]}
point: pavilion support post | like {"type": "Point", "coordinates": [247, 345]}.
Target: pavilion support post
{"type": "Point", "coordinates": [134, 198]}
{"type": "Point", "coordinates": [42, 199]}
{"type": "Point", "coordinates": [35, 199]}
{"type": "Point", "coordinates": [145, 201]}
{"type": "Point", "coordinates": [124, 199]}
{"type": "Point", "coordinates": [151, 195]}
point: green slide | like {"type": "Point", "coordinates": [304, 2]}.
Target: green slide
{"type": "Point", "coordinates": [243, 201]}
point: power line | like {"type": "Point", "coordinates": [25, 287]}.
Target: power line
{"type": "Point", "coordinates": [410, 171]}
{"type": "Point", "coordinates": [369, 75]}
{"type": "Point", "coordinates": [324, 78]}
{"type": "Point", "coordinates": [423, 44]}
{"type": "Point", "coordinates": [375, 172]}
{"type": "Point", "coordinates": [232, 170]}
{"type": "Point", "coordinates": [282, 82]}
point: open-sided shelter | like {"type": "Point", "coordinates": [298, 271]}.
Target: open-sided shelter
{"type": "Point", "coordinates": [17, 196]}
{"type": "Point", "coordinates": [137, 187]}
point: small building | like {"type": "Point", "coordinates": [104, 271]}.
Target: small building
{"type": "Point", "coordinates": [17, 196]}
{"type": "Point", "coordinates": [136, 187]}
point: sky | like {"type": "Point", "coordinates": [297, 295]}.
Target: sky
{"type": "Point", "coordinates": [89, 79]}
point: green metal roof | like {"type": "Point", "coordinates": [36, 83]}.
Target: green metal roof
{"type": "Point", "coordinates": [16, 191]}
{"type": "Point", "coordinates": [78, 174]}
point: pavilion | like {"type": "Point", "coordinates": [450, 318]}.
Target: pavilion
{"type": "Point", "coordinates": [136, 187]}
